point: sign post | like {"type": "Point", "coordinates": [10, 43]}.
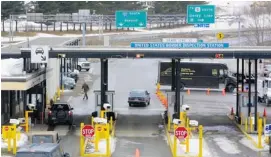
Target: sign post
{"type": "Point", "coordinates": [200, 14]}
{"type": "Point", "coordinates": [131, 19]}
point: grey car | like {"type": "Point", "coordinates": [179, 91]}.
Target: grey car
{"type": "Point", "coordinates": [60, 113]}
{"type": "Point", "coordinates": [41, 150]}
{"type": "Point", "coordinates": [139, 97]}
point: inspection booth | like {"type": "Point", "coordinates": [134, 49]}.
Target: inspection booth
{"type": "Point", "coordinates": [27, 86]}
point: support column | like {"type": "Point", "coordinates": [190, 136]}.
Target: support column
{"type": "Point", "coordinates": [256, 94]}
{"type": "Point", "coordinates": [61, 77]}
{"type": "Point", "coordinates": [249, 88]}
{"type": "Point", "coordinates": [102, 83]}
{"type": "Point", "coordinates": [65, 66]}
{"type": "Point", "coordinates": [173, 75]}
{"type": "Point", "coordinates": [177, 90]}
{"type": "Point", "coordinates": [24, 99]}
{"type": "Point", "coordinates": [106, 78]}
{"type": "Point", "coordinates": [237, 91]}
{"type": "Point", "coordinates": [24, 64]}
{"type": "Point", "coordinates": [243, 68]}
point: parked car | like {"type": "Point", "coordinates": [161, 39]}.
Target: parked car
{"type": "Point", "coordinates": [60, 113]}
{"type": "Point", "coordinates": [267, 70]}
{"type": "Point", "coordinates": [139, 97]}
{"type": "Point", "coordinates": [68, 82]}
{"type": "Point", "coordinates": [44, 137]}
{"type": "Point", "coordinates": [83, 64]}
{"type": "Point", "coordinates": [71, 74]}
{"type": "Point", "coordinates": [41, 150]}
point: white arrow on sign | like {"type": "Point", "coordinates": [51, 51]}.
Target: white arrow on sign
{"type": "Point", "coordinates": [121, 24]}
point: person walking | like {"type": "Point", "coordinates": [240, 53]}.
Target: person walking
{"type": "Point", "coordinates": [85, 88]}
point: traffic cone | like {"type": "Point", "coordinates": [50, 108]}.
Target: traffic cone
{"type": "Point", "coordinates": [137, 153]}
{"type": "Point", "coordinates": [188, 91]}
{"type": "Point", "coordinates": [264, 112]}
{"type": "Point", "coordinates": [208, 91]}
{"type": "Point", "coordinates": [223, 91]}
{"type": "Point", "coordinates": [232, 111]}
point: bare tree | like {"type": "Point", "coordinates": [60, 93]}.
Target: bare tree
{"type": "Point", "coordinates": [258, 18]}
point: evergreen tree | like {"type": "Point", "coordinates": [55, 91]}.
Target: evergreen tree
{"type": "Point", "coordinates": [11, 7]}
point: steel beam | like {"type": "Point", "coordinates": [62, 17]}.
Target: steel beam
{"type": "Point", "coordinates": [256, 94]}
{"type": "Point", "coordinates": [173, 73]}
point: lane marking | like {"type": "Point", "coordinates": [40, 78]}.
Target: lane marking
{"type": "Point", "coordinates": [70, 98]}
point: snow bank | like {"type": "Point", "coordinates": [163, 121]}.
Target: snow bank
{"type": "Point", "coordinates": [11, 67]}
{"type": "Point", "coordinates": [102, 146]}
{"type": "Point", "coordinates": [20, 142]}
{"type": "Point", "coordinates": [194, 147]}
{"type": "Point", "coordinates": [226, 145]}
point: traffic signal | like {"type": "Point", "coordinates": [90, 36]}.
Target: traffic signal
{"type": "Point", "coordinates": [139, 55]}
{"type": "Point", "coordinates": [219, 56]}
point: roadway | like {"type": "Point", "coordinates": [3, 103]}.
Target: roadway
{"type": "Point", "coordinates": [140, 127]}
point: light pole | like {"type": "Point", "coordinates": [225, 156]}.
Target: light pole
{"type": "Point", "coordinates": [26, 25]}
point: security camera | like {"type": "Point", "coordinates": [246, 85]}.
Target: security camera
{"type": "Point", "coordinates": [177, 121]}
{"type": "Point", "coordinates": [107, 106]}
{"type": "Point", "coordinates": [185, 107]}
{"type": "Point", "coordinates": [32, 106]}
{"type": "Point", "coordinates": [193, 123]}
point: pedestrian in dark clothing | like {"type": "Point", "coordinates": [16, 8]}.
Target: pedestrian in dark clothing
{"type": "Point", "coordinates": [85, 88]}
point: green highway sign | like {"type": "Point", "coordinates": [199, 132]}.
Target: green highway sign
{"type": "Point", "coordinates": [131, 19]}
{"type": "Point", "coordinates": [200, 14]}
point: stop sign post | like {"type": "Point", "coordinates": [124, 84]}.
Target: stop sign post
{"type": "Point", "coordinates": [88, 131]}
{"type": "Point", "coordinates": [180, 133]}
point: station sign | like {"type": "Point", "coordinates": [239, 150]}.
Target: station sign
{"type": "Point", "coordinates": [39, 54]}
{"type": "Point", "coordinates": [168, 45]}
{"type": "Point", "coordinates": [179, 40]}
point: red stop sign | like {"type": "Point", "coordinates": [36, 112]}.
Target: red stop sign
{"type": "Point", "coordinates": [181, 132]}
{"type": "Point", "coordinates": [6, 128]}
{"type": "Point", "coordinates": [88, 131]}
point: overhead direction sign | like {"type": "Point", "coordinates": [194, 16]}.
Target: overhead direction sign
{"type": "Point", "coordinates": [180, 40]}
{"type": "Point", "coordinates": [88, 131]}
{"type": "Point", "coordinates": [200, 14]}
{"type": "Point", "coordinates": [220, 36]}
{"type": "Point", "coordinates": [131, 19]}
{"type": "Point", "coordinates": [267, 129]}
{"type": "Point", "coordinates": [180, 133]}
{"type": "Point", "coordinates": [169, 45]}
{"type": "Point", "coordinates": [39, 54]}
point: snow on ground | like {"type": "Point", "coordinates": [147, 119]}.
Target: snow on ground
{"type": "Point", "coordinates": [67, 90]}
{"type": "Point", "coordinates": [249, 143]}
{"type": "Point", "coordinates": [102, 146]}
{"type": "Point", "coordinates": [194, 147]}
{"type": "Point", "coordinates": [11, 67]}
{"type": "Point", "coordinates": [226, 145]}
{"type": "Point", "coordinates": [20, 141]}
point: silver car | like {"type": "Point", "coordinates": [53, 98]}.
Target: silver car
{"type": "Point", "coordinates": [139, 97]}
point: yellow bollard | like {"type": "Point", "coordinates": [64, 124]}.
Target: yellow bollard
{"type": "Point", "coordinates": [108, 151]}
{"type": "Point", "coordinates": [9, 138]}
{"type": "Point", "coordinates": [168, 123]}
{"type": "Point", "coordinates": [62, 88]}
{"type": "Point", "coordinates": [187, 140]}
{"type": "Point", "coordinates": [102, 113]}
{"type": "Point", "coordinates": [14, 138]}
{"type": "Point", "coordinates": [187, 122]}
{"type": "Point", "coordinates": [81, 140]}
{"type": "Point", "coordinates": [27, 120]}
{"type": "Point", "coordinates": [91, 120]}
{"type": "Point", "coordinates": [260, 133]}
{"type": "Point", "coordinates": [96, 141]}
{"type": "Point", "coordinates": [246, 125]}
{"type": "Point", "coordinates": [58, 92]}
{"type": "Point", "coordinates": [111, 123]}
{"type": "Point", "coordinates": [251, 124]}
{"type": "Point", "coordinates": [241, 117]}
{"type": "Point", "coordinates": [200, 140]}
{"type": "Point", "coordinates": [174, 143]}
